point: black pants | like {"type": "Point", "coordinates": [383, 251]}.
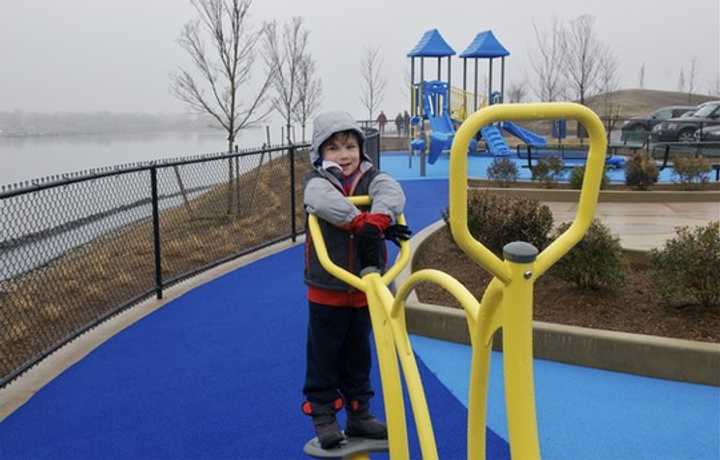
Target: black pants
{"type": "Point", "coordinates": [338, 354]}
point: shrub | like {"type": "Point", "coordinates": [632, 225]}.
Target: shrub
{"type": "Point", "coordinates": [595, 262]}
{"type": "Point", "coordinates": [503, 171]}
{"type": "Point", "coordinates": [641, 171]}
{"type": "Point", "coordinates": [578, 173]}
{"type": "Point", "coordinates": [548, 171]}
{"type": "Point", "coordinates": [496, 220]}
{"type": "Point", "coordinates": [687, 267]}
{"type": "Point", "coordinates": [693, 172]}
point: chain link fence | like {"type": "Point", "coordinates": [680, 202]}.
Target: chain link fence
{"type": "Point", "coordinates": [78, 248]}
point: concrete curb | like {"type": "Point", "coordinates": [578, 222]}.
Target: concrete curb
{"type": "Point", "coordinates": [651, 356]}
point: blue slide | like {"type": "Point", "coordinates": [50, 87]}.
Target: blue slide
{"type": "Point", "coordinates": [442, 130]}
{"type": "Point", "coordinates": [495, 141]}
{"type": "Point", "coordinates": [524, 135]}
{"type": "Point", "coordinates": [442, 133]}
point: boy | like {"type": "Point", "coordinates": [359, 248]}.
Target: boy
{"type": "Point", "coordinates": [338, 337]}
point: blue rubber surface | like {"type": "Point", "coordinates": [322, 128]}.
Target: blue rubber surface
{"type": "Point", "coordinates": [218, 373]}
{"type": "Point", "coordinates": [215, 374]}
{"type": "Point", "coordinates": [586, 413]}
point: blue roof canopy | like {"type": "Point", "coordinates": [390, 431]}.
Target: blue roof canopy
{"type": "Point", "coordinates": [431, 45]}
{"type": "Point", "coordinates": [485, 45]}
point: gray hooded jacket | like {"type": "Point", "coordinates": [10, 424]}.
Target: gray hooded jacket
{"type": "Point", "coordinates": [325, 197]}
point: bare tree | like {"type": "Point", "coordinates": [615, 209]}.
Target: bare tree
{"type": "Point", "coordinates": [283, 54]}
{"type": "Point", "coordinates": [581, 56]}
{"type": "Point", "coordinates": [546, 63]}
{"type": "Point", "coordinates": [517, 91]}
{"type": "Point", "coordinates": [607, 84]}
{"type": "Point", "coordinates": [309, 92]}
{"type": "Point", "coordinates": [691, 78]}
{"type": "Point", "coordinates": [224, 69]}
{"type": "Point", "coordinates": [607, 72]}
{"type": "Point", "coordinates": [406, 83]}
{"type": "Point", "coordinates": [372, 88]}
{"type": "Point", "coordinates": [642, 76]}
{"type": "Point", "coordinates": [681, 80]}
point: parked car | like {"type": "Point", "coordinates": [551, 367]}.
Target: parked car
{"type": "Point", "coordinates": [646, 123]}
{"type": "Point", "coordinates": [709, 134]}
{"type": "Point", "coordinates": [682, 129]}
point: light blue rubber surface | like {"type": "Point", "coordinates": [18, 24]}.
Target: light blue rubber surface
{"type": "Point", "coordinates": [586, 413]}
{"type": "Point", "coordinates": [399, 166]}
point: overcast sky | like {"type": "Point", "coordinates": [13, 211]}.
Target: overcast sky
{"type": "Point", "coordinates": [88, 55]}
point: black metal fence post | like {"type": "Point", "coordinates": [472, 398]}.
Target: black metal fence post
{"type": "Point", "coordinates": [293, 222]}
{"type": "Point", "coordinates": [156, 233]}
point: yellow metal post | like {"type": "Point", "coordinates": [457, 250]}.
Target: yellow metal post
{"type": "Point", "coordinates": [389, 371]}
{"type": "Point", "coordinates": [518, 362]}
{"type": "Point", "coordinates": [507, 302]}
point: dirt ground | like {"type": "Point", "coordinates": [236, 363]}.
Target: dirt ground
{"type": "Point", "coordinates": [634, 308]}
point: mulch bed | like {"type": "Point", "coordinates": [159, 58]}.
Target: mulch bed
{"type": "Point", "coordinates": [634, 308]}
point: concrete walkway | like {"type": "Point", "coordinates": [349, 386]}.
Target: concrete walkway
{"type": "Point", "coordinates": [643, 226]}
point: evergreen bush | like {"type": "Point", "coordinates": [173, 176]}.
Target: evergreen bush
{"type": "Point", "coordinates": [596, 262]}
{"type": "Point", "coordinates": [693, 172]}
{"type": "Point", "coordinates": [496, 220]}
{"type": "Point", "coordinates": [641, 171]}
{"type": "Point", "coordinates": [548, 171]}
{"type": "Point", "coordinates": [687, 267]}
{"type": "Point", "coordinates": [503, 171]}
{"type": "Point", "coordinates": [578, 173]}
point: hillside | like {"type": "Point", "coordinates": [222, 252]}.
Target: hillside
{"type": "Point", "coordinates": [642, 101]}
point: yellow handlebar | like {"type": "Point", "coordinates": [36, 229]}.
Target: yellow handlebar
{"type": "Point", "coordinates": [340, 273]}
{"type": "Point", "coordinates": [588, 195]}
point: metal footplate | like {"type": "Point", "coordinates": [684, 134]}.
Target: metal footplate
{"type": "Point", "coordinates": [346, 448]}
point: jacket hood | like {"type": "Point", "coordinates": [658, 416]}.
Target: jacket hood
{"type": "Point", "coordinates": [328, 123]}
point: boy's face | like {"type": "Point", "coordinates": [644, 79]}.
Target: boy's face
{"type": "Point", "coordinates": [343, 149]}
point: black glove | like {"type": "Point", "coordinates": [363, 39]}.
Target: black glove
{"type": "Point", "coordinates": [369, 250]}
{"type": "Point", "coordinates": [397, 233]}
{"type": "Point", "coordinates": [369, 231]}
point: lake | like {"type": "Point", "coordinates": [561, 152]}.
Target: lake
{"type": "Point", "coordinates": [25, 158]}
{"type": "Point", "coordinates": [36, 228]}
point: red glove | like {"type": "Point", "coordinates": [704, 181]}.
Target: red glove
{"type": "Point", "coordinates": [369, 229]}
{"type": "Point", "coordinates": [370, 224]}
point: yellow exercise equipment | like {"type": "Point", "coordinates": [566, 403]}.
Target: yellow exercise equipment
{"type": "Point", "coordinates": [506, 303]}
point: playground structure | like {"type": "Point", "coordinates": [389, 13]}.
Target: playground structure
{"type": "Point", "coordinates": [437, 107]}
{"type": "Point", "coordinates": [506, 304]}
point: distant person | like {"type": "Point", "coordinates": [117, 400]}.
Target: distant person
{"type": "Point", "coordinates": [406, 123]}
{"type": "Point", "coordinates": [399, 124]}
{"type": "Point", "coordinates": [338, 332]}
{"type": "Point", "coordinates": [381, 120]}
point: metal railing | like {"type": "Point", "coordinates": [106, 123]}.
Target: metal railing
{"type": "Point", "coordinates": [76, 249]}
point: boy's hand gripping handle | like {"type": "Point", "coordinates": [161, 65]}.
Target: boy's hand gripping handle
{"type": "Point", "coordinates": [343, 275]}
